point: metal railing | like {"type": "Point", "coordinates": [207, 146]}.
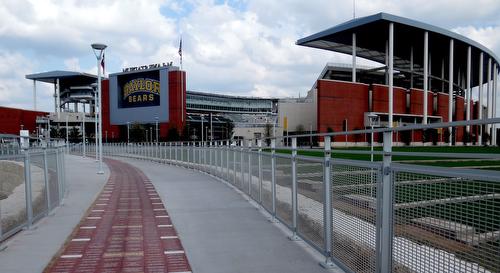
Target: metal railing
{"type": "Point", "coordinates": [364, 216]}
{"type": "Point", "coordinates": [32, 184]}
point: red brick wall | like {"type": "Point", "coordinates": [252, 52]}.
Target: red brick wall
{"type": "Point", "coordinates": [113, 130]}
{"type": "Point", "coordinates": [176, 101]}
{"type": "Point", "coordinates": [381, 99]}
{"type": "Point", "coordinates": [12, 118]}
{"type": "Point", "coordinates": [338, 100]}
{"type": "Point", "coordinates": [417, 102]}
{"type": "Point", "coordinates": [442, 106]}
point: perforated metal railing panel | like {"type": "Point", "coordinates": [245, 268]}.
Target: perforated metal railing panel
{"type": "Point", "coordinates": [445, 224]}
{"type": "Point", "coordinates": [38, 191]}
{"type": "Point", "coordinates": [11, 217]}
{"type": "Point", "coordinates": [267, 200]}
{"type": "Point", "coordinates": [310, 201]}
{"type": "Point", "coordinates": [254, 177]}
{"type": "Point", "coordinates": [284, 189]}
{"type": "Point", "coordinates": [354, 216]}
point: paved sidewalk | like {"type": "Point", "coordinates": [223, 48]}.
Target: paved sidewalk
{"type": "Point", "coordinates": [31, 250]}
{"type": "Point", "coordinates": [127, 229]}
{"type": "Point", "coordinates": [221, 231]}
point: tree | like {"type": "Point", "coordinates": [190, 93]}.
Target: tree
{"type": "Point", "coordinates": [230, 129]}
{"type": "Point", "coordinates": [136, 132]}
{"type": "Point", "coordinates": [74, 135]}
{"type": "Point", "coordinates": [268, 132]}
{"type": "Point", "coordinates": [173, 134]}
{"type": "Point", "coordinates": [54, 132]}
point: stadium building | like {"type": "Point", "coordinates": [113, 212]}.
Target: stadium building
{"type": "Point", "coordinates": [419, 74]}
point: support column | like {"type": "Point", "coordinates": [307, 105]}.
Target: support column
{"type": "Point", "coordinates": [391, 68]}
{"type": "Point", "coordinates": [469, 92]}
{"type": "Point", "coordinates": [58, 98]}
{"type": "Point", "coordinates": [411, 67]}
{"type": "Point", "coordinates": [353, 57]}
{"type": "Point", "coordinates": [450, 92]}
{"type": "Point", "coordinates": [480, 103]}
{"type": "Point", "coordinates": [494, 105]}
{"type": "Point", "coordinates": [34, 95]}
{"type": "Point", "coordinates": [426, 74]}
{"type": "Point", "coordinates": [488, 100]}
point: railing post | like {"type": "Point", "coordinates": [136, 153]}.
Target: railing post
{"type": "Point", "coordinates": [385, 199]}
{"type": "Point", "coordinates": [250, 168]}
{"type": "Point", "coordinates": [27, 189]}
{"type": "Point", "coordinates": [182, 151]}
{"type": "Point", "coordinates": [228, 146]}
{"type": "Point", "coordinates": [46, 180]}
{"type": "Point", "coordinates": [294, 236]}
{"type": "Point", "coordinates": [242, 174]}
{"type": "Point", "coordinates": [259, 145]}
{"type": "Point", "coordinates": [273, 179]}
{"type": "Point", "coordinates": [327, 205]}
{"type": "Point", "coordinates": [221, 146]}
{"type": "Point", "coordinates": [234, 162]}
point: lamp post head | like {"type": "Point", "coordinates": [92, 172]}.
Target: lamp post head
{"type": "Point", "coordinates": [98, 46]}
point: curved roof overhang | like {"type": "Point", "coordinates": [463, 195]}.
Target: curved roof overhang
{"type": "Point", "coordinates": [69, 77]}
{"type": "Point", "coordinates": [372, 34]}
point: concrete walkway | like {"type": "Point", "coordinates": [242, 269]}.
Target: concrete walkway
{"type": "Point", "coordinates": [31, 250]}
{"type": "Point", "coordinates": [220, 230]}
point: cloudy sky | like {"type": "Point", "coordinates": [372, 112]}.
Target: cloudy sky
{"type": "Point", "coordinates": [240, 47]}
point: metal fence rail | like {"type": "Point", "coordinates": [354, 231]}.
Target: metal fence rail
{"type": "Point", "coordinates": [32, 184]}
{"type": "Point", "coordinates": [363, 216]}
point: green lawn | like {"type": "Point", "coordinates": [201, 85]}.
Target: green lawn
{"type": "Point", "coordinates": [444, 162]}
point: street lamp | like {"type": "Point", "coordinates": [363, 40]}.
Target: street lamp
{"type": "Point", "coordinates": [99, 52]}
{"type": "Point", "coordinates": [373, 118]}
{"type": "Point", "coordinates": [128, 132]}
{"type": "Point", "coordinates": [67, 134]}
{"type": "Point", "coordinates": [156, 125]}
{"type": "Point", "coordinates": [95, 123]}
{"type": "Point", "coordinates": [83, 127]}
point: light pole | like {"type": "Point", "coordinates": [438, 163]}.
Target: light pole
{"type": "Point", "coordinates": [95, 126]}
{"type": "Point", "coordinates": [151, 134]}
{"type": "Point", "coordinates": [83, 134]}
{"type": "Point", "coordinates": [202, 117]}
{"type": "Point", "coordinates": [67, 134]}
{"type": "Point", "coordinates": [128, 132]}
{"type": "Point", "coordinates": [373, 118]}
{"type": "Point", "coordinates": [156, 128]}
{"type": "Point", "coordinates": [98, 52]}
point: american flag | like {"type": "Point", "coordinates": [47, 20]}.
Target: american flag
{"type": "Point", "coordinates": [102, 63]}
{"type": "Point", "coordinates": [180, 48]}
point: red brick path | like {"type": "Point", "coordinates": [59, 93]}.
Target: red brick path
{"type": "Point", "coordinates": [126, 229]}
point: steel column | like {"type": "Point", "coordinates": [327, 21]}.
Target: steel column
{"type": "Point", "coordinates": [480, 103]}
{"type": "Point", "coordinates": [294, 236]}
{"type": "Point", "coordinates": [353, 57]}
{"type": "Point", "coordinates": [250, 167]}
{"type": "Point", "coordinates": [386, 230]}
{"type": "Point", "coordinates": [450, 91]}
{"type": "Point", "coordinates": [469, 93]}
{"type": "Point", "coordinates": [426, 75]}
{"type": "Point", "coordinates": [259, 144]}
{"type": "Point", "coordinates": [27, 189]}
{"type": "Point", "coordinates": [327, 205]}
{"type": "Point", "coordinates": [391, 71]}
{"type": "Point", "coordinates": [488, 100]}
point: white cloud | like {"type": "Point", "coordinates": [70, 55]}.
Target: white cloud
{"type": "Point", "coordinates": [227, 49]}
